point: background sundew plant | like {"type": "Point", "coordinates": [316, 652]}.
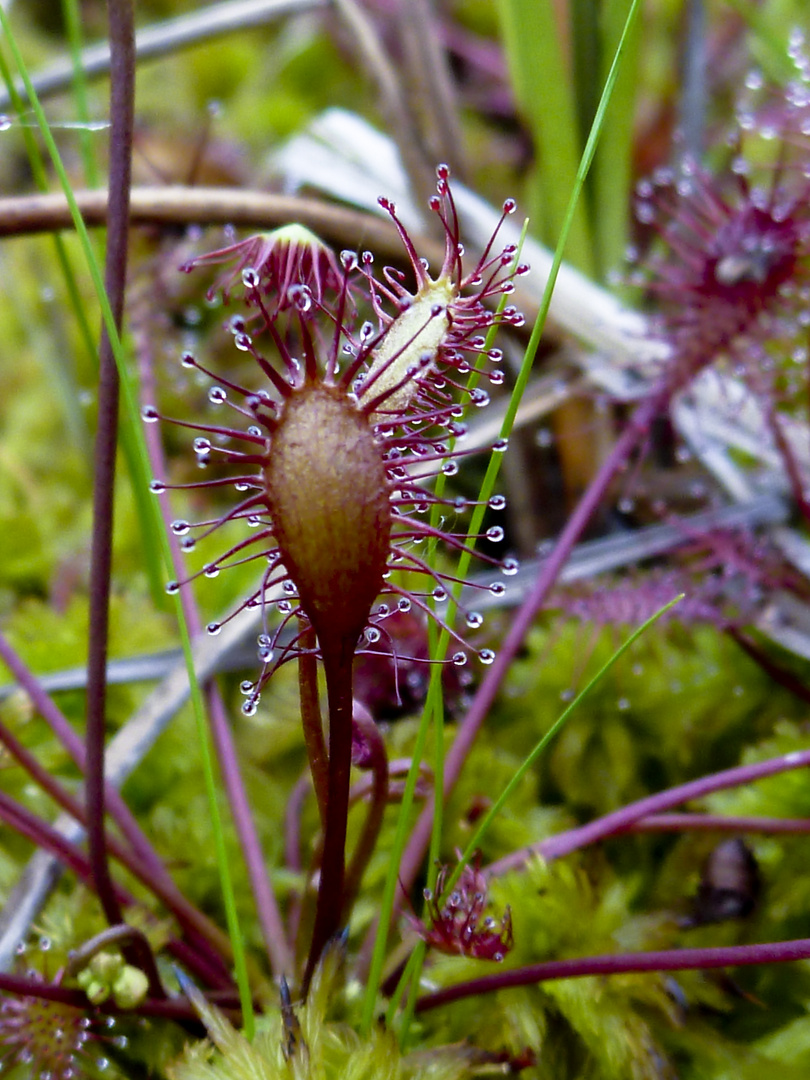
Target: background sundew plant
{"type": "Point", "coordinates": [404, 564]}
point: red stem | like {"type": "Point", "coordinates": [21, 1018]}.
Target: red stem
{"type": "Point", "coordinates": [665, 960]}
{"type": "Point", "coordinates": [45, 836]}
{"type": "Point", "coordinates": [742, 823]}
{"type": "Point", "coordinates": [21, 986]}
{"type": "Point", "coordinates": [312, 723]}
{"type": "Point", "coordinates": [622, 820]}
{"type": "Point", "coordinates": [378, 763]}
{"type": "Point", "coordinates": [48, 838]}
{"type": "Point", "coordinates": [73, 744]}
{"type": "Point", "coordinates": [337, 662]}
{"type": "Point", "coordinates": [122, 90]}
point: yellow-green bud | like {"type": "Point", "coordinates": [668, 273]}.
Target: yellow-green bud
{"type": "Point", "coordinates": [105, 966]}
{"type": "Point", "coordinates": [417, 333]}
{"type": "Point", "coordinates": [130, 988]}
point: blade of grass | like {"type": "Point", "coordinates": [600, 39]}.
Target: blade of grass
{"type": "Point", "coordinates": [433, 713]}
{"type": "Point", "coordinates": [141, 463]}
{"type": "Point", "coordinates": [488, 818]}
{"type": "Point", "coordinates": [419, 837]}
{"type": "Point", "coordinates": [612, 174]}
{"type": "Point", "coordinates": [485, 822]}
{"type": "Point", "coordinates": [62, 372]}
{"type": "Point", "coordinates": [73, 26]}
{"type": "Point", "coordinates": [586, 57]}
{"type": "Point", "coordinates": [543, 87]}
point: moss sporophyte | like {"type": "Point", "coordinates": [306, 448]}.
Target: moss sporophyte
{"type": "Point", "coordinates": [363, 389]}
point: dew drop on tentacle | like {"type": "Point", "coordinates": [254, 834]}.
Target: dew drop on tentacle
{"type": "Point", "coordinates": [300, 297]}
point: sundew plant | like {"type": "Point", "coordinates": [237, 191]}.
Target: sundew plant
{"type": "Point", "coordinates": [404, 489]}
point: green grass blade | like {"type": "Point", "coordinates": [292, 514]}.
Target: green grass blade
{"type": "Point", "coordinates": [63, 376]}
{"type": "Point", "coordinates": [588, 154]}
{"type": "Point", "coordinates": [543, 88]}
{"type": "Point", "coordinates": [495, 459]}
{"type": "Point", "coordinates": [73, 26]}
{"type": "Point", "coordinates": [141, 479]}
{"type": "Point", "coordinates": [433, 713]}
{"type": "Point", "coordinates": [542, 743]}
{"type": "Point", "coordinates": [61, 372]}
{"type": "Point", "coordinates": [613, 165]}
